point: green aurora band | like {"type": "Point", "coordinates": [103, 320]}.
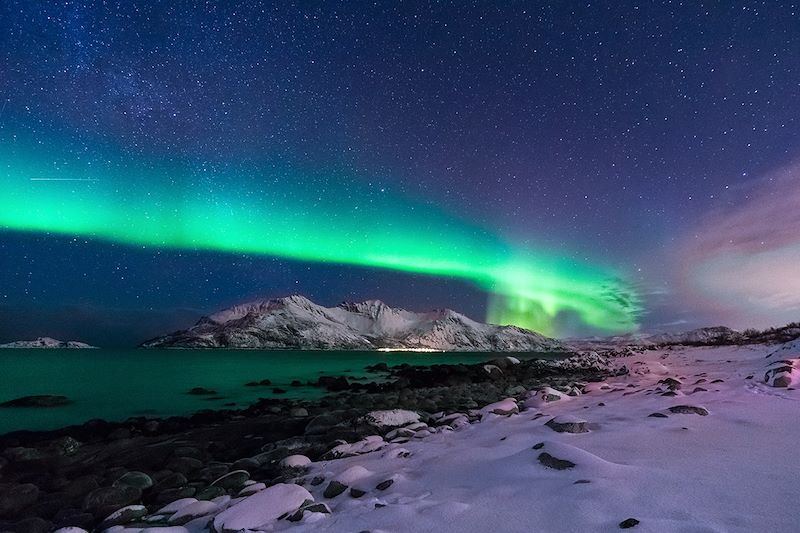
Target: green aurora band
{"type": "Point", "coordinates": [171, 204]}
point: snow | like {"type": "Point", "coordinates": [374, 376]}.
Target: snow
{"type": "Point", "coordinates": [729, 470]}
{"type": "Point", "coordinates": [261, 508]}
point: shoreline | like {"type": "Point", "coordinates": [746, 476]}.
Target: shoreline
{"type": "Point", "coordinates": [79, 456]}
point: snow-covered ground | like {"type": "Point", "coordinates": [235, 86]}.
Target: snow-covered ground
{"type": "Point", "coordinates": [727, 466]}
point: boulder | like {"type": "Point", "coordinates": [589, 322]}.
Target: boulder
{"type": "Point", "coordinates": [505, 407]}
{"type": "Point", "coordinates": [262, 508]}
{"type": "Point", "coordinates": [136, 479]}
{"type": "Point", "coordinates": [567, 424]}
{"type": "Point", "coordinates": [391, 418]}
{"type": "Point", "coordinates": [334, 488]}
{"type": "Point", "coordinates": [295, 461]}
{"type": "Point", "coordinates": [105, 500]}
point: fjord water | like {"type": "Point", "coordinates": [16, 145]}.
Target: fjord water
{"type": "Point", "coordinates": [117, 384]}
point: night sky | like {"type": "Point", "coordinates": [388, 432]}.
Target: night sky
{"type": "Point", "coordinates": [576, 168]}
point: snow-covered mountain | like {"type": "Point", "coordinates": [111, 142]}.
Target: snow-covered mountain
{"type": "Point", "coordinates": [296, 322]}
{"type": "Point", "coordinates": [46, 342]}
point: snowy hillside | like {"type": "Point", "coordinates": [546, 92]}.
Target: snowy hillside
{"type": "Point", "coordinates": [46, 342]}
{"type": "Point", "coordinates": [296, 322]}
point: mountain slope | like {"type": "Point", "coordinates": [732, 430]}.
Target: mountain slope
{"type": "Point", "coordinates": [296, 322]}
{"type": "Point", "coordinates": [46, 342]}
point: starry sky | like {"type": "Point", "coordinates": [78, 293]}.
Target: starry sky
{"type": "Point", "coordinates": [576, 168]}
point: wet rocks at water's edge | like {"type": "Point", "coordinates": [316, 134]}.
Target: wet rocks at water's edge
{"type": "Point", "coordinates": [112, 473]}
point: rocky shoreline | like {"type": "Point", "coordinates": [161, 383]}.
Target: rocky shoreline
{"type": "Point", "coordinates": [81, 476]}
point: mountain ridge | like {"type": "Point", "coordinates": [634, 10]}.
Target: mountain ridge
{"type": "Point", "coordinates": [295, 322]}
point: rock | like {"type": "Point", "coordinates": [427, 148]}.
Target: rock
{"type": "Point", "coordinates": [278, 390]}
{"type": "Point", "coordinates": [200, 391]}
{"type": "Point", "coordinates": [555, 463]}
{"type": "Point", "coordinates": [688, 410]}
{"type": "Point", "coordinates": [505, 407]}
{"type": "Point", "coordinates": [383, 485]}
{"type": "Point", "coordinates": [392, 418]}
{"type": "Point", "coordinates": [42, 400]}
{"type": "Point", "coordinates": [298, 412]}
{"type": "Point", "coordinates": [295, 461]}
{"type": "Point", "coordinates": [140, 480]}
{"type": "Point", "coordinates": [64, 445]}
{"type": "Point", "coordinates": [249, 490]}
{"type": "Point", "coordinates": [671, 383]}
{"type": "Point", "coordinates": [402, 433]}
{"type": "Point", "coordinates": [172, 480]}
{"type": "Point", "coordinates": [192, 511]}
{"type": "Point", "coordinates": [628, 523]}
{"type": "Point", "coordinates": [262, 508]}
{"type": "Point", "coordinates": [333, 489]}
{"type": "Point", "coordinates": [32, 524]}
{"type": "Point", "coordinates": [368, 444]}
{"type": "Point", "coordinates": [75, 518]}
{"type": "Point", "coordinates": [177, 493]}
{"type": "Point", "coordinates": [124, 515]}
{"type": "Point", "coordinates": [232, 480]}
{"type": "Point", "coordinates": [657, 415]}
{"type": "Point", "coordinates": [333, 384]}
{"type": "Point", "coordinates": [209, 493]}
{"type": "Point", "coordinates": [317, 508]}
{"type": "Point", "coordinates": [176, 506]}
{"type": "Point", "coordinates": [184, 465]}
{"type": "Point", "coordinates": [70, 529]}
{"type": "Point", "coordinates": [246, 463]}
{"type": "Point", "coordinates": [106, 500]}
{"type": "Point", "coordinates": [567, 424]}
{"type": "Point", "coordinates": [14, 498]}
{"type": "Point", "coordinates": [188, 451]}
{"type": "Point", "coordinates": [356, 493]}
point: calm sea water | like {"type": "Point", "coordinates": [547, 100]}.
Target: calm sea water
{"type": "Point", "coordinates": [117, 384]}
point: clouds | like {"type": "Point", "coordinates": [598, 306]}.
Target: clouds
{"type": "Point", "coordinates": [742, 265]}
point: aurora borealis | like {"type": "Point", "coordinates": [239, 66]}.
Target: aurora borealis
{"type": "Point", "coordinates": [571, 169]}
{"type": "Point", "coordinates": [161, 206]}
